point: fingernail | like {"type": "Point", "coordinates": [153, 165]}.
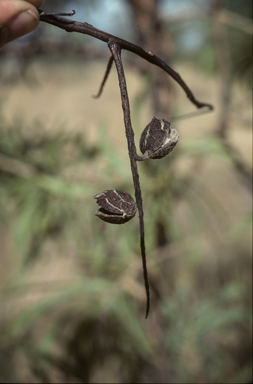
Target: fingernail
{"type": "Point", "coordinates": [20, 25]}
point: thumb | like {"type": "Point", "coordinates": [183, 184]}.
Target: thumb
{"type": "Point", "coordinates": [17, 18]}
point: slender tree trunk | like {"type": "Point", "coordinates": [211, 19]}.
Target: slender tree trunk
{"type": "Point", "coordinates": [223, 57]}
{"type": "Point", "coordinates": [150, 32]}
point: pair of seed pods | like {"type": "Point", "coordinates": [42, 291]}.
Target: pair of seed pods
{"type": "Point", "coordinates": [156, 141]}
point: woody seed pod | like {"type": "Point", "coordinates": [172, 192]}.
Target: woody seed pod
{"type": "Point", "coordinates": [117, 207]}
{"type": "Point", "coordinates": [158, 139]}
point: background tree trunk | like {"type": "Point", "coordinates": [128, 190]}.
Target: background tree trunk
{"type": "Point", "coordinates": [150, 32]}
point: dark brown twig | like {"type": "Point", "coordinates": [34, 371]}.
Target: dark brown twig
{"type": "Point", "coordinates": [116, 54]}
{"type": "Point", "coordinates": [115, 45]}
{"type": "Point", "coordinates": [108, 69]}
{"type": "Point", "coordinates": [43, 13]}
{"type": "Point", "coordinates": [88, 29]}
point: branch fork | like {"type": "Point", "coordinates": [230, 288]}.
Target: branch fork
{"type": "Point", "coordinates": [157, 139]}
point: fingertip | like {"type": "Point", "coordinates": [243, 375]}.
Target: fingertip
{"type": "Point", "coordinates": [20, 25]}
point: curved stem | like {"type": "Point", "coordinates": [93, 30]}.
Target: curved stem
{"type": "Point", "coordinates": [88, 29]}
{"type": "Point", "coordinates": [116, 53]}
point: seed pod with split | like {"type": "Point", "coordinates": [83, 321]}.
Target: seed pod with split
{"type": "Point", "coordinates": [117, 207]}
{"type": "Point", "coordinates": [158, 139]}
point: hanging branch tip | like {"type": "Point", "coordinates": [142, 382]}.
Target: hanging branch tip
{"type": "Point", "coordinates": [43, 13]}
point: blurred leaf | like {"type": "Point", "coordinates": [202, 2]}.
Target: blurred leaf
{"type": "Point", "coordinates": [208, 146]}
{"type": "Point", "coordinates": [92, 289]}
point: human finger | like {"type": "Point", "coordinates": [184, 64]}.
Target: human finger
{"type": "Point", "coordinates": [17, 18]}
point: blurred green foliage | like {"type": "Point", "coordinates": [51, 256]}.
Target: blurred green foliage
{"type": "Point", "coordinates": [204, 53]}
{"type": "Point", "coordinates": [91, 327]}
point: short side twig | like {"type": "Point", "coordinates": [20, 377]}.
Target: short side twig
{"type": "Point", "coordinates": [116, 53]}
{"type": "Point", "coordinates": [107, 72]}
